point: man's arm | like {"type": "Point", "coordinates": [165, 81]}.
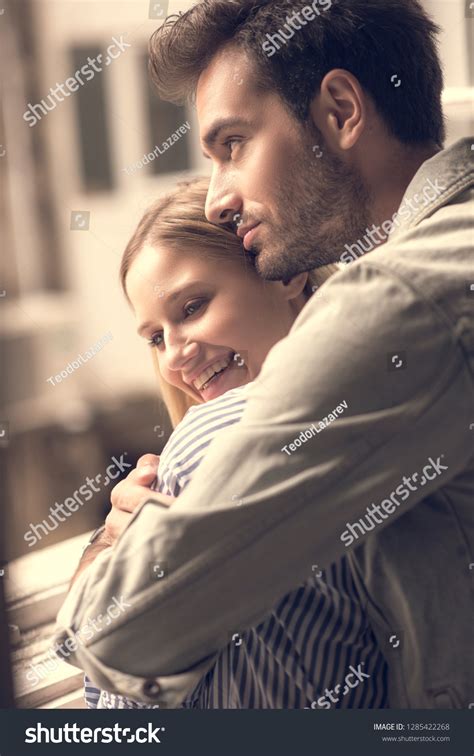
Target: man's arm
{"type": "Point", "coordinates": [263, 509]}
{"type": "Point", "coordinates": [91, 551]}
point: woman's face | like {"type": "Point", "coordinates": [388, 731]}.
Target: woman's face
{"type": "Point", "coordinates": [211, 320]}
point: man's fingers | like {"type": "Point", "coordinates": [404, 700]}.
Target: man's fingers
{"type": "Point", "coordinates": [146, 470]}
{"type": "Point", "coordinates": [115, 523]}
{"type": "Point", "coordinates": [149, 459]}
{"type": "Point", "coordinates": [128, 495]}
{"type": "Point", "coordinates": [144, 476]}
{"type": "Point", "coordinates": [119, 516]}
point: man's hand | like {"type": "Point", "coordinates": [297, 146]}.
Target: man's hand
{"type": "Point", "coordinates": [126, 496]}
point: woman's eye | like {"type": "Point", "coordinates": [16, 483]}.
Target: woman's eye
{"type": "Point", "coordinates": [156, 340]}
{"type": "Point", "coordinates": [190, 309]}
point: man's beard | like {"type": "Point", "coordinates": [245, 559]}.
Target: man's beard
{"type": "Point", "coordinates": [323, 205]}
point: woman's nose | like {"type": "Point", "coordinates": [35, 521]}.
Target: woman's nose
{"type": "Point", "coordinates": [179, 353]}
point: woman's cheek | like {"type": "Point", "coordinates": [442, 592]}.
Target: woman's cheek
{"type": "Point", "coordinates": [219, 325]}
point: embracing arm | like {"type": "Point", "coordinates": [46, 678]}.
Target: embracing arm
{"type": "Point", "coordinates": [92, 550]}
{"type": "Point", "coordinates": [263, 509]}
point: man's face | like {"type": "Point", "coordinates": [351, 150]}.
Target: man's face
{"type": "Point", "coordinates": [268, 174]}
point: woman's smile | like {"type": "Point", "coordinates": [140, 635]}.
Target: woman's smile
{"type": "Point", "coordinates": [219, 376]}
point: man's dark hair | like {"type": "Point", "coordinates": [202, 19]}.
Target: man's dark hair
{"type": "Point", "coordinates": [380, 42]}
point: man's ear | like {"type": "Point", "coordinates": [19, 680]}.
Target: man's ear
{"type": "Point", "coordinates": [339, 110]}
{"type": "Point", "coordinates": [294, 286]}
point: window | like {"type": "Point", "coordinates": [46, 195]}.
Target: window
{"type": "Point", "coordinates": [164, 118]}
{"type": "Point", "coordinates": [94, 142]}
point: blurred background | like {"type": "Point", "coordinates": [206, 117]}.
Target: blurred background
{"type": "Point", "coordinates": [72, 189]}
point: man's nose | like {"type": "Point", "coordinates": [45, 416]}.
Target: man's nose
{"type": "Point", "coordinates": [222, 205]}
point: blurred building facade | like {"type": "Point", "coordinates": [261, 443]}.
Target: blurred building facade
{"type": "Point", "coordinates": [73, 187]}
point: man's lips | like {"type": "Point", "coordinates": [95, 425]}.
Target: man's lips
{"type": "Point", "coordinates": [248, 234]}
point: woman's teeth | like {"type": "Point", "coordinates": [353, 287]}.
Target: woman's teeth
{"type": "Point", "coordinates": [217, 367]}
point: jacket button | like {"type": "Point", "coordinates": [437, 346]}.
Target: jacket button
{"type": "Point", "coordinates": [151, 688]}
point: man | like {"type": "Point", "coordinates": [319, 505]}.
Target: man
{"type": "Point", "coordinates": [327, 149]}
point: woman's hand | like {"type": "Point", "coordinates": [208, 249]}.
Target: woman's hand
{"type": "Point", "coordinates": [127, 495]}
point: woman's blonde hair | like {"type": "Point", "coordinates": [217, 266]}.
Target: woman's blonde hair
{"type": "Point", "coordinates": [178, 221]}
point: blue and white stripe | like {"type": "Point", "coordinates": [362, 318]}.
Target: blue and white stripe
{"type": "Point", "coordinates": [300, 655]}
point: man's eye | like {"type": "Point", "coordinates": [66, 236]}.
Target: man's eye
{"type": "Point", "coordinates": [156, 340]}
{"type": "Point", "coordinates": [193, 307]}
{"type": "Point", "coordinates": [230, 143]}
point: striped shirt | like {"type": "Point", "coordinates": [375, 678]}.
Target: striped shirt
{"type": "Point", "coordinates": [305, 651]}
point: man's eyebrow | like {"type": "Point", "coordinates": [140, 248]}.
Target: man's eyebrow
{"type": "Point", "coordinates": [210, 138]}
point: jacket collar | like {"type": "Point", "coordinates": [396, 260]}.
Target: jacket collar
{"type": "Point", "coordinates": [437, 181]}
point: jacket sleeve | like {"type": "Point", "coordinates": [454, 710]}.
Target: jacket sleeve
{"type": "Point", "coordinates": [346, 410]}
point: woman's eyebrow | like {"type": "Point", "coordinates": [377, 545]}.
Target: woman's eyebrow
{"type": "Point", "coordinates": [143, 327]}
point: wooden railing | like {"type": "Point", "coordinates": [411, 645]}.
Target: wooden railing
{"type": "Point", "coordinates": [35, 587]}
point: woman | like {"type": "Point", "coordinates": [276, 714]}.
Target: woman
{"type": "Point", "coordinates": [211, 321]}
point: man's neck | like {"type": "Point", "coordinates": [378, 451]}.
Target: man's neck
{"type": "Point", "coordinates": [393, 179]}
